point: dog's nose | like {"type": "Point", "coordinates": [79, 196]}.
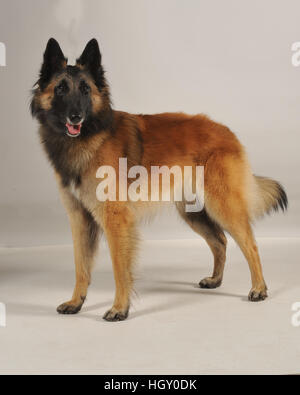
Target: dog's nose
{"type": "Point", "coordinates": [76, 118]}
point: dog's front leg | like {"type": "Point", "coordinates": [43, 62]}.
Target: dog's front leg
{"type": "Point", "coordinates": [85, 234]}
{"type": "Point", "coordinates": [120, 229]}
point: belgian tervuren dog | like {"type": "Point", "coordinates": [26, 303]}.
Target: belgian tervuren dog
{"type": "Point", "coordinates": [81, 132]}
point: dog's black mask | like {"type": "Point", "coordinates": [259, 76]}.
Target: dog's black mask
{"type": "Point", "coordinates": [72, 101]}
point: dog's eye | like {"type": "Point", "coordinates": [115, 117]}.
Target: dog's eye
{"type": "Point", "coordinates": [61, 89]}
{"type": "Point", "coordinates": [84, 88]}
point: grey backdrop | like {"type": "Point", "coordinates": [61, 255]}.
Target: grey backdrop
{"type": "Point", "coordinates": [230, 59]}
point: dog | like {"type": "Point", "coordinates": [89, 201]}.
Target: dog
{"type": "Point", "coordinates": [80, 132]}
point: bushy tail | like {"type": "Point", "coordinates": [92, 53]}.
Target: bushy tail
{"type": "Point", "coordinates": [269, 196]}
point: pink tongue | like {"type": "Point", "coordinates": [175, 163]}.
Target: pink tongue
{"type": "Point", "coordinates": [73, 129]}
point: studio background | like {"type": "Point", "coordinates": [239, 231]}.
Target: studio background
{"type": "Point", "coordinates": [230, 60]}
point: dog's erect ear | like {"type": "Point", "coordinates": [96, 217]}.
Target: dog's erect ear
{"type": "Point", "coordinates": [90, 59]}
{"type": "Point", "coordinates": [54, 61]}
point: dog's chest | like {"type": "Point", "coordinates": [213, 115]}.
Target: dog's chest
{"type": "Point", "coordinates": [74, 190]}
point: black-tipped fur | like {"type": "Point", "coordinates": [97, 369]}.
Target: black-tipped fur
{"type": "Point", "coordinates": [90, 59]}
{"type": "Point", "coordinates": [54, 61]}
{"type": "Point", "coordinates": [93, 231]}
{"type": "Point", "coordinates": [282, 201]}
{"type": "Point", "coordinates": [271, 196]}
{"type": "Point", "coordinates": [71, 93]}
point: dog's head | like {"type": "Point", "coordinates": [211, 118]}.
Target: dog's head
{"type": "Point", "coordinates": [72, 100]}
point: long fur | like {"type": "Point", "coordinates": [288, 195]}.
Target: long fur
{"type": "Point", "coordinates": [273, 195]}
{"type": "Point", "coordinates": [234, 197]}
{"type": "Point", "coordinates": [268, 195]}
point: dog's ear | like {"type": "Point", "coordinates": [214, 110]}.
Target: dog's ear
{"type": "Point", "coordinates": [90, 60]}
{"type": "Point", "coordinates": [54, 61]}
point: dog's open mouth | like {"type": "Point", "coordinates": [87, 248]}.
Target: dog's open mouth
{"type": "Point", "coordinates": [73, 130]}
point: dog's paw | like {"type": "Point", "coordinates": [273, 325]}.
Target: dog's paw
{"type": "Point", "coordinates": [210, 283]}
{"type": "Point", "coordinates": [69, 308]}
{"type": "Point", "coordinates": [113, 315]}
{"type": "Point", "coordinates": [256, 295]}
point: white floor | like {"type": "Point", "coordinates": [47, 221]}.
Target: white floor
{"type": "Point", "coordinates": [174, 327]}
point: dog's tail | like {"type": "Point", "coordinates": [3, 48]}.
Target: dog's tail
{"type": "Point", "coordinates": [269, 195]}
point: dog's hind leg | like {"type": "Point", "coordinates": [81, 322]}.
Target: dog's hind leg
{"type": "Point", "coordinates": [227, 196]}
{"type": "Point", "coordinates": [85, 234]}
{"type": "Point", "coordinates": [236, 222]}
{"type": "Point", "coordinates": [215, 238]}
